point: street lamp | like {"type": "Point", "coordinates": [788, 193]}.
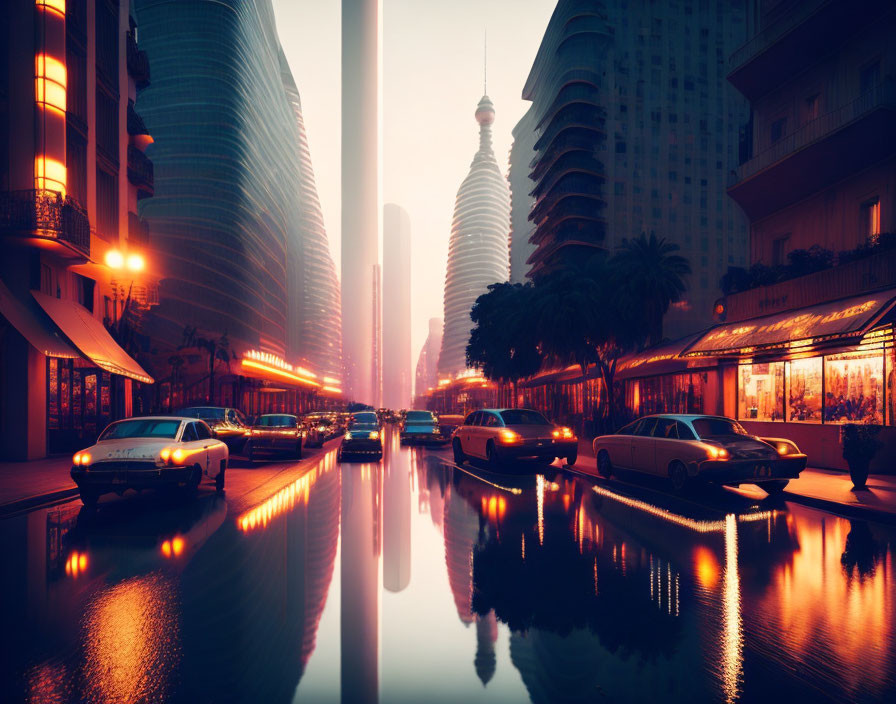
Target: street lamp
{"type": "Point", "coordinates": [117, 261]}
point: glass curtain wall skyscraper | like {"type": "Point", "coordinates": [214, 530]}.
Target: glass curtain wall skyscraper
{"type": "Point", "coordinates": [478, 252]}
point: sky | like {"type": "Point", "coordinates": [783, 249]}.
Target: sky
{"type": "Point", "coordinates": [432, 80]}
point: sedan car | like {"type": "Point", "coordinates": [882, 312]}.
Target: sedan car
{"type": "Point", "coordinates": [420, 428]}
{"type": "Point", "coordinates": [685, 448]}
{"type": "Point", "coordinates": [499, 435]}
{"type": "Point", "coordinates": [318, 429]}
{"type": "Point", "coordinates": [229, 425]}
{"type": "Point", "coordinates": [151, 452]}
{"type": "Point", "coordinates": [363, 438]}
{"type": "Point", "coordinates": [274, 433]}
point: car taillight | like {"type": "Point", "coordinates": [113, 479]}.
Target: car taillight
{"type": "Point", "coordinates": [374, 435]}
{"type": "Point", "coordinates": [509, 436]}
{"type": "Point", "coordinates": [563, 434]}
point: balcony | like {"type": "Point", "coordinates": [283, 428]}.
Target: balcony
{"type": "Point", "coordinates": [140, 170]}
{"type": "Point", "coordinates": [785, 47]}
{"type": "Point", "coordinates": [138, 63]}
{"type": "Point", "coordinates": [818, 154]}
{"type": "Point", "coordinates": [46, 219]}
{"type": "Point", "coordinates": [138, 230]}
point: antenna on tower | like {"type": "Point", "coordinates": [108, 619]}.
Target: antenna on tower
{"type": "Point", "coordinates": [485, 64]}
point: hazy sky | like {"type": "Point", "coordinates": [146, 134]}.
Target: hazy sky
{"type": "Point", "coordinates": [432, 81]}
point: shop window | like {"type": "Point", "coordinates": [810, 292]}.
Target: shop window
{"type": "Point", "coordinates": [853, 387]}
{"type": "Point", "coordinates": [870, 218]}
{"type": "Point", "coordinates": [804, 390]}
{"type": "Point", "coordinates": [760, 392]}
{"type": "Point", "coordinates": [673, 393]}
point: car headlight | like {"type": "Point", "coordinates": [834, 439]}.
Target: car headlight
{"type": "Point", "coordinates": [81, 458]}
{"type": "Point", "coordinates": [786, 448]}
{"type": "Point", "coordinates": [374, 435]}
{"type": "Point", "coordinates": [177, 456]}
{"type": "Point", "coordinates": [165, 454]}
{"type": "Point", "coordinates": [348, 436]}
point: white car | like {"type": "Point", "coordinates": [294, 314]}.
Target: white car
{"type": "Point", "coordinates": [150, 452]}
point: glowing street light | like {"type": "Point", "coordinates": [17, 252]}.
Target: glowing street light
{"type": "Point", "coordinates": [136, 262]}
{"type": "Point", "coordinates": [117, 260]}
{"type": "Point", "coordinates": [114, 259]}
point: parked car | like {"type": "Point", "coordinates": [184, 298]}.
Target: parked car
{"type": "Point", "coordinates": [274, 433]}
{"type": "Point", "coordinates": [318, 429]}
{"type": "Point", "coordinates": [149, 452]}
{"type": "Point", "coordinates": [685, 448]}
{"type": "Point", "coordinates": [449, 423]}
{"type": "Point", "coordinates": [500, 435]}
{"type": "Point", "coordinates": [228, 424]}
{"type": "Point", "coordinates": [420, 428]}
{"type": "Point", "coordinates": [363, 438]}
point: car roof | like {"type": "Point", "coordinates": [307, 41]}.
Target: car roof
{"type": "Point", "coordinates": [188, 419]}
{"type": "Point", "coordinates": [683, 416]}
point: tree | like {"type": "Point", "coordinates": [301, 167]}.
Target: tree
{"type": "Point", "coordinates": [650, 276]}
{"type": "Point", "coordinates": [502, 342]}
{"type": "Point", "coordinates": [217, 349]}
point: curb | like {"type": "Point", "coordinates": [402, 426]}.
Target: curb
{"type": "Point", "coordinates": [845, 510]}
{"type": "Point", "coordinates": [31, 502]}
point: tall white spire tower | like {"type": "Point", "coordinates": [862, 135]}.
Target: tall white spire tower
{"type": "Point", "coordinates": [478, 254]}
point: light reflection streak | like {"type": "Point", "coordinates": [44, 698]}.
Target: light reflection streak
{"type": "Point", "coordinates": [732, 638]}
{"type": "Point", "coordinates": [539, 497]}
{"type": "Point", "coordinates": [76, 564]}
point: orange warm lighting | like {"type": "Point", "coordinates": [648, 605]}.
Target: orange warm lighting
{"type": "Point", "coordinates": [706, 567]}
{"type": "Point", "coordinates": [278, 372]}
{"type": "Point", "coordinates": [49, 82]}
{"type": "Point", "coordinates": [114, 259]}
{"type": "Point", "coordinates": [76, 564]}
{"type": "Point", "coordinates": [49, 175]}
{"type": "Point", "coordinates": [173, 547]}
{"type": "Point", "coordinates": [284, 500]}
{"type": "Point", "coordinates": [508, 437]}
{"type": "Point", "coordinates": [57, 6]}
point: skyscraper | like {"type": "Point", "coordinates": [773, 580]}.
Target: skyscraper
{"type": "Point", "coordinates": [396, 307]}
{"type": "Point", "coordinates": [478, 250]}
{"type": "Point", "coordinates": [427, 374]}
{"type": "Point", "coordinates": [521, 154]}
{"type": "Point", "coordinates": [360, 188]}
{"type": "Point", "coordinates": [376, 342]}
{"type": "Point", "coordinates": [636, 127]}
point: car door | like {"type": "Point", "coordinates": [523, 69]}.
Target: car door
{"type": "Point", "coordinates": [193, 447]}
{"type": "Point", "coordinates": [215, 450]}
{"type": "Point", "coordinates": [488, 431]}
{"type": "Point", "coordinates": [667, 446]}
{"type": "Point", "coordinates": [466, 432]}
{"type": "Point", "coordinates": [643, 446]}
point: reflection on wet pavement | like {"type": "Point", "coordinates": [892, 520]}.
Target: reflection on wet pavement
{"type": "Point", "coordinates": [413, 580]}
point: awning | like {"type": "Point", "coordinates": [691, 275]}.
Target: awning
{"type": "Point", "coordinates": [28, 319]}
{"type": "Point", "coordinates": [797, 329]}
{"type": "Point", "coordinates": [661, 359]}
{"type": "Point", "coordinates": [90, 337]}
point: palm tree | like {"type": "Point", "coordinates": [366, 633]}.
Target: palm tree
{"type": "Point", "coordinates": [650, 276]}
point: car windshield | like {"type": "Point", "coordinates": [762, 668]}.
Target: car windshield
{"type": "Point", "coordinates": [520, 417]}
{"type": "Point", "coordinates": [715, 427]}
{"type": "Point", "coordinates": [276, 421]}
{"type": "Point", "coordinates": [204, 413]}
{"type": "Point", "coordinates": [424, 416]}
{"type": "Point", "coordinates": [142, 428]}
{"type": "Point", "coordinates": [364, 419]}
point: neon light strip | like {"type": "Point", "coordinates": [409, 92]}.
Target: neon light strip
{"type": "Point", "coordinates": [278, 372]}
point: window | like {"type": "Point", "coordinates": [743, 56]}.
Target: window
{"type": "Point", "coordinates": [869, 77]}
{"type": "Point", "coordinates": [804, 390]}
{"type": "Point", "coordinates": [520, 417]}
{"type": "Point", "coordinates": [189, 433]}
{"type": "Point", "coordinates": [620, 147]}
{"type": "Point", "coordinates": [684, 431]}
{"type": "Point", "coordinates": [471, 419]}
{"type": "Point", "coordinates": [46, 279]}
{"type": "Point", "coordinates": [490, 420]}
{"type": "Point", "coordinates": [202, 431]}
{"type": "Point", "coordinates": [84, 288]}
{"type": "Point", "coordinates": [870, 218]}
{"type": "Point", "coordinates": [779, 250]}
{"type": "Point", "coordinates": [665, 428]}
{"type": "Point", "coordinates": [107, 204]}
{"type": "Point", "coordinates": [853, 387]}
{"type": "Point", "coordinates": [811, 107]}
{"type": "Point", "coordinates": [779, 127]}
{"type": "Point", "coordinates": [152, 428]}
{"type": "Point", "coordinates": [760, 391]}
{"type": "Point", "coordinates": [717, 427]}
{"type": "Point", "coordinates": [107, 124]}
{"type": "Point", "coordinates": [645, 427]}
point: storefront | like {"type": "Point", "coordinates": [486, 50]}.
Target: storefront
{"type": "Point", "coordinates": [804, 373]}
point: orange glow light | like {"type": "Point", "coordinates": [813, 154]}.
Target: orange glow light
{"type": "Point", "coordinates": [57, 6]}
{"type": "Point", "coordinates": [49, 82]}
{"type": "Point", "coordinates": [277, 372]}
{"type": "Point", "coordinates": [706, 567]}
{"type": "Point", "coordinates": [76, 564]}
{"type": "Point", "coordinates": [49, 175]}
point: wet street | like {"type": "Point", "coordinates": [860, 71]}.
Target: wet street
{"type": "Point", "coordinates": [413, 580]}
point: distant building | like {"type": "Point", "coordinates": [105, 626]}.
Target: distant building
{"type": "Point", "coordinates": [376, 342]}
{"type": "Point", "coordinates": [397, 379]}
{"type": "Point", "coordinates": [427, 374]}
{"type": "Point", "coordinates": [75, 280]}
{"type": "Point", "coordinates": [521, 201]}
{"type": "Point", "coordinates": [478, 250]}
{"type": "Point", "coordinates": [636, 130]}
{"type": "Point", "coordinates": [237, 225]}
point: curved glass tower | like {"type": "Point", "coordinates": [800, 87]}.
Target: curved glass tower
{"type": "Point", "coordinates": [478, 253]}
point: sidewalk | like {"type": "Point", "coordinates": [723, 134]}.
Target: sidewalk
{"type": "Point", "coordinates": [25, 484]}
{"type": "Point", "coordinates": [821, 488]}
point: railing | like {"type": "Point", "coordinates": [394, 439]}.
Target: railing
{"type": "Point", "coordinates": [881, 95]}
{"type": "Point", "coordinates": [138, 63]}
{"type": "Point", "coordinates": [135, 122]}
{"type": "Point", "coordinates": [45, 214]}
{"type": "Point", "coordinates": [768, 36]}
{"type": "Point", "coordinates": [140, 169]}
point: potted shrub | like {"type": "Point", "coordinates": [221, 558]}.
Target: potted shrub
{"type": "Point", "coordinates": [860, 445]}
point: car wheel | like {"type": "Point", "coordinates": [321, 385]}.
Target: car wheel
{"type": "Point", "coordinates": [678, 473]}
{"type": "Point", "coordinates": [89, 497]}
{"type": "Point", "coordinates": [193, 482]}
{"type": "Point", "coordinates": [219, 480]}
{"type": "Point", "coordinates": [459, 456]}
{"type": "Point", "coordinates": [774, 488]}
{"type": "Point", "coordinates": [298, 452]}
{"type": "Point", "coordinates": [494, 461]}
{"type": "Point", "coordinates": [571, 458]}
{"type": "Point", "coordinates": [604, 466]}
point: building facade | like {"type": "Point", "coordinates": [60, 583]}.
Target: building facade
{"type": "Point", "coordinates": [249, 312]}
{"type": "Point", "coordinates": [478, 248]}
{"type": "Point", "coordinates": [397, 380]}
{"type": "Point", "coordinates": [427, 371]}
{"type": "Point", "coordinates": [521, 201]}
{"type": "Point", "coordinates": [360, 187]}
{"type": "Point", "coordinates": [636, 130]}
{"type": "Point", "coordinates": [75, 279]}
